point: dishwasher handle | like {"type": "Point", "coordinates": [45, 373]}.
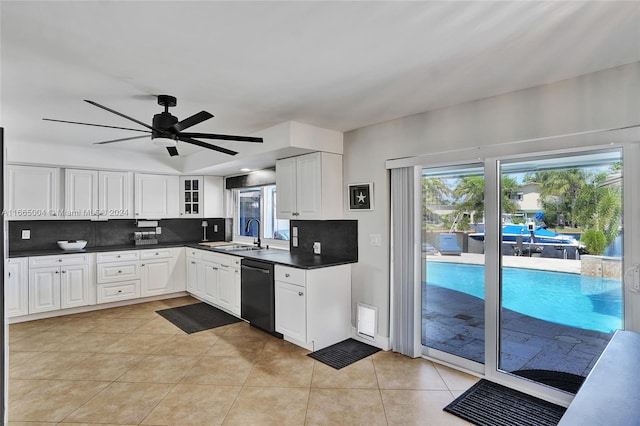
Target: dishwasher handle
{"type": "Point", "coordinates": [253, 268]}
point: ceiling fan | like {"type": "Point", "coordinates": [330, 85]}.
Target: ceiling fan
{"type": "Point", "coordinates": [166, 130]}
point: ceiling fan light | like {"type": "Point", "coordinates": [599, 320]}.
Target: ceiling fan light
{"type": "Point", "coordinates": [164, 142]}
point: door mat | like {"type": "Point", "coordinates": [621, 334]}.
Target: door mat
{"type": "Point", "coordinates": [197, 317]}
{"type": "Point", "coordinates": [490, 404]}
{"type": "Point", "coordinates": [558, 379]}
{"type": "Point", "coordinates": [343, 353]}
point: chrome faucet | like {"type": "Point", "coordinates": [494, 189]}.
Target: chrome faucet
{"type": "Point", "coordinates": [247, 228]}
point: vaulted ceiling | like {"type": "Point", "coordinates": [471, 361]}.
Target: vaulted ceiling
{"type": "Point", "coordinates": [337, 65]}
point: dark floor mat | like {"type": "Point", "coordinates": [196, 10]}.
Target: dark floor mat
{"type": "Point", "coordinates": [557, 379]}
{"type": "Point", "coordinates": [343, 353]}
{"type": "Point", "coordinates": [197, 317]}
{"type": "Point", "coordinates": [490, 404]}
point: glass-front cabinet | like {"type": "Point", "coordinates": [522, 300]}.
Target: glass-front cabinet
{"type": "Point", "coordinates": [191, 196]}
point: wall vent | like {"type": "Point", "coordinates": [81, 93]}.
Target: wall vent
{"type": "Point", "coordinates": [367, 320]}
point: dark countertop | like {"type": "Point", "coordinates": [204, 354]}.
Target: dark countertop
{"type": "Point", "coordinates": [282, 257]}
{"type": "Point", "coordinates": [275, 256]}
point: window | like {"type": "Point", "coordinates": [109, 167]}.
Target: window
{"type": "Point", "coordinates": [255, 214]}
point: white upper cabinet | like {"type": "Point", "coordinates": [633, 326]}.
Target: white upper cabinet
{"type": "Point", "coordinates": [92, 194]}
{"type": "Point", "coordinates": [310, 186]}
{"type": "Point", "coordinates": [115, 195]}
{"type": "Point", "coordinates": [156, 196]}
{"type": "Point", "coordinates": [201, 196]}
{"type": "Point", "coordinates": [80, 194]}
{"type": "Point", "coordinates": [33, 193]}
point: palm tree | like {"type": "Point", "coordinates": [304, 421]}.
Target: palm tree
{"type": "Point", "coordinates": [559, 189]}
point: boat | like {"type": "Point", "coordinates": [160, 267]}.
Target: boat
{"type": "Point", "coordinates": [514, 233]}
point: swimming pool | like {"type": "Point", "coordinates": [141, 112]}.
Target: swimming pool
{"type": "Point", "coordinates": [575, 300]}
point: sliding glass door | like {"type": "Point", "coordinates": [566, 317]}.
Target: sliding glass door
{"type": "Point", "coordinates": [452, 287]}
{"type": "Point", "coordinates": [522, 266]}
{"type": "Point", "coordinates": [561, 265]}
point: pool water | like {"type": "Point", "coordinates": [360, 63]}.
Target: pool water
{"type": "Point", "coordinates": [575, 300]}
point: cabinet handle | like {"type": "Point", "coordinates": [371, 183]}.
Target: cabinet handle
{"type": "Point", "coordinates": [214, 268]}
{"type": "Point", "coordinates": [119, 291]}
{"type": "Point", "coordinates": [59, 260]}
{"type": "Point", "coordinates": [118, 256]}
{"type": "Point", "coordinates": [157, 254]}
{"type": "Point", "coordinates": [287, 275]}
{"type": "Point", "coordinates": [300, 293]}
{"type": "Point", "coordinates": [57, 272]}
{"type": "Point", "coordinates": [119, 272]}
{"type": "Point", "coordinates": [64, 272]}
{"type": "Point", "coordinates": [193, 263]}
{"type": "Point", "coordinates": [142, 264]}
{"type": "Point", "coordinates": [9, 274]}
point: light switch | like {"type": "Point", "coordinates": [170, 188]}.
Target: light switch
{"type": "Point", "coordinates": [215, 228]}
{"type": "Point", "coordinates": [158, 230]}
{"type": "Point", "coordinates": [294, 231]}
{"type": "Point", "coordinates": [375, 240]}
{"type": "Point", "coordinates": [316, 247]}
{"type": "Point", "coordinates": [294, 241]}
{"type": "Point", "coordinates": [26, 234]}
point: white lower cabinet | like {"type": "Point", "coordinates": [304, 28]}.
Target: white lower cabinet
{"type": "Point", "coordinates": [59, 287]}
{"type": "Point", "coordinates": [156, 272]}
{"type": "Point", "coordinates": [313, 307]}
{"type": "Point", "coordinates": [291, 310]}
{"type": "Point", "coordinates": [16, 287]}
{"type": "Point", "coordinates": [214, 278]}
{"type": "Point", "coordinates": [118, 276]}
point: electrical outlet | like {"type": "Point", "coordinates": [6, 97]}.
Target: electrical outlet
{"type": "Point", "coordinates": [158, 230]}
{"type": "Point", "coordinates": [375, 240]}
{"type": "Point", "coordinates": [294, 241]}
{"type": "Point", "coordinates": [26, 234]}
{"type": "Point", "coordinates": [316, 247]}
{"type": "Point", "coordinates": [294, 231]}
{"type": "Point", "coordinates": [215, 228]}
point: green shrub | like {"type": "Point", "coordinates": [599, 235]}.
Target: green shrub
{"type": "Point", "coordinates": [595, 241]}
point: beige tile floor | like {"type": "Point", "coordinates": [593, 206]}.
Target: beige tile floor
{"type": "Point", "coordinates": [129, 366]}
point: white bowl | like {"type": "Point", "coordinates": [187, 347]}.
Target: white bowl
{"type": "Point", "coordinates": [72, 245]}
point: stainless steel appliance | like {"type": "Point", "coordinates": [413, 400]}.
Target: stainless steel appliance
{"type": "Point", "coordinates": [258, 295]}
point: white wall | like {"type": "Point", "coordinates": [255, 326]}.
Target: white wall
{"type": "Point", "coordinates": [606, 99]}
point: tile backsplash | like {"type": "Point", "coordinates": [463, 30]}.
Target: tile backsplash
{"type": "Point", "coordinates": [337, 238]}
{"type": "Point", "coordinates": [45, 233]}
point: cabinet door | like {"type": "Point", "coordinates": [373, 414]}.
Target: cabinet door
{"type": "Point", "coordinates": [191, 196]}
{"type": "Point", "coordinates": [156, 277]}
{"type": "Point", "coordinates": [210, 283]}
{"type": "Point", "coordinates": [194, 269]}
{"type": "Point", "coordinates": [74, 286]}
{"type": "Point", "coordinates": [286, 184]}
{"type": "Point", "coordinates": [115, 190]}
{"type": "Point", "coordinates": [226, 287]}
{"type": "Point", "coordinates": [309, 189]}
{"type": "Point", "coordinates": [44, 289]}
{"type": "Point", "coordinates": [291, 310]}
{"type": "Point", "coordinates": [32, 193]}
{"type": "Point", "coordinates": [235, 306]}
{"type": "Point", "coordinates": [80, 194]}
{"type": "Point", "coordinates": [16, 287]}
{"type": "Point", "coordinates": [156, 196]}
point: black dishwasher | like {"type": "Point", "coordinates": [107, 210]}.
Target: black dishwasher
{"type": "Point", "coordinates": [258, 295]}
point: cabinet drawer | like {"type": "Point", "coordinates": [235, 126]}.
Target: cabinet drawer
{"type": "Point", "coordinates": [156, 254]}
{"type": "Point", "coordinates": [194, 253]}
{"type": "Point", "coordinates": [62, 260]}
{"type": "Point", "coordinates": [120, 291]}
{"type": "Point", "coordinates": [290, 275]}
{"type": "Point", "coordinates": [117, 256]}
{"type": "Point", "coordinates": [114, 272]}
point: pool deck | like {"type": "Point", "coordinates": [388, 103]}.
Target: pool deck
{"type": "Point", "coordinates": [456, 325]}
{"type": "Point", "coordinates": [571, 266]}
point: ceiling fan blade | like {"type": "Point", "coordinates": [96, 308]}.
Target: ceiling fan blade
{"type": "Point", "coordinates": [191, 121]}
{"type": "Point", "coordinates": [121, 140]}
{"type": "Point", "coordinates": [205, 145]}
{"type": "Point", "coordinates": [122, 115]}
{"type": "Point", "coordinates": [173, 151]}
{"type": "Point", "coordinates": [222, 137]}
{"type": "Point", "coordinates": [96, 125]}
